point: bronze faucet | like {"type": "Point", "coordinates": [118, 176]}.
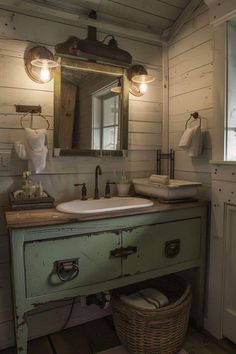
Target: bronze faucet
{"type": "Point", "coordinates": [98, 171]}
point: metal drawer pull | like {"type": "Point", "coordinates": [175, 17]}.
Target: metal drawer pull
{"type": "Point", "coordinates": [67, 269]}
{"type": "Point", "coordinates": [123, 252]}
{"type": "Point", "coordinates": [172, 248]}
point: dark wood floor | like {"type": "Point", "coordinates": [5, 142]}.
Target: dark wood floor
{"type": "Point", "coordinates": [98, 336]}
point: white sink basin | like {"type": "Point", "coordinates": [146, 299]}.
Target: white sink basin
{"type": "Point", "coordinates": [103, 205]}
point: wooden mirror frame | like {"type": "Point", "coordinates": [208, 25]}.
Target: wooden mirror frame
{"type": "Point", "coordinates": [99, 68]}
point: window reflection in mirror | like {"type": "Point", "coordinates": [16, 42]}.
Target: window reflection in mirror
{"type": "Point", "coordinates": [89, 116]}
{"type": "Point", "coordinates": [105, 118]}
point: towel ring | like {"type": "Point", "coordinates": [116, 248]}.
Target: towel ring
{"type": "Point", "coordinates": [194, 115]}
{"type": "Point", "coordinates": [42, 116]}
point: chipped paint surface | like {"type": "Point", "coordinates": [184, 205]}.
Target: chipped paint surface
{"type": "Point", "coordinates": [141, 238]}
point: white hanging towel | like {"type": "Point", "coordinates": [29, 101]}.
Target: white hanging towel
{"type": "Point", "coordinates": [191, 141]}
{"type": "Point", "coordinates": [20, 150]}
{"type": "Point", "coordinates": [195, 148]}
{"type": "Point", "coordinates": [34, 148]}
{"type": "Point", "coordinates": [186, 138]}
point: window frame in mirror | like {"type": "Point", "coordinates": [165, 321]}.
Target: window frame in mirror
{"type": "Point", "coordinates": [99, 68]}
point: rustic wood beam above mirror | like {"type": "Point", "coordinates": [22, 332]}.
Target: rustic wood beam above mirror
{"type": "Point", "coordinates": [91, 48]}
{"type": "Point", "coordinates": [91, 108]}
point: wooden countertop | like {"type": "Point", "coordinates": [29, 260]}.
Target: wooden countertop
{"type": "Point", "coordinates": [39, 217]}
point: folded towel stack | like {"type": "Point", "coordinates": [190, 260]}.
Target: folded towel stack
{"type": "Point", "coordinates": [34, 148]}
{"type": "Point", "coordinates": [159, 179]}
{"type": "Point", "coordinates": [191, 141]}
{"type": "Point", "coordinates": [146, 299]}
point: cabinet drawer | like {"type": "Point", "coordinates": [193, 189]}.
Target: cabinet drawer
{"type": "Point", "coordinates": [162, 245]}
{"type": "Point", "coordinates": [92, 252]}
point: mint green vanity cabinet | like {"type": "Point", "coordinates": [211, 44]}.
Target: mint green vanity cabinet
{"type": "Point", "coordinates": [100, 255]}
{"type": "Point", "coordinates": [152, 244]}
{"type": "Point", "coordinates": [92, 253]}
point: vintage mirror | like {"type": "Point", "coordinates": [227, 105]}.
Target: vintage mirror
{"type": "Point", "coordinates": [91, 117]}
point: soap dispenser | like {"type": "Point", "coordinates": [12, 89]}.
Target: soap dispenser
{"type": "Point", "coordinates": [107, 189]}
{"type": "Point", "coordinates": [38, 190]}
{"type": "Point", "coordinates": [83, 190]}
{"type": "Point", "coordinates": [27, 184]}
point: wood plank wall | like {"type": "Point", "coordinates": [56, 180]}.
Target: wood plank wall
{"type": "Point", "coordinates": [17, 32]}
{"type": "Point", "coordinates": [190, 89]}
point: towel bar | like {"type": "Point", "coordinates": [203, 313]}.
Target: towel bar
{"type": "Point", "coordinates": [30, 110]}
{"type": "Point", "coordinates": [169, 156]}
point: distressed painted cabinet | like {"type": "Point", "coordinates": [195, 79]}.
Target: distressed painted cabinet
{"type": "Point", "coordinates": [54, 262]}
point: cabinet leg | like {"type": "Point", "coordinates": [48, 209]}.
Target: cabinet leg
{"type": "Point", "coordinates": [200, 292]}
{"type": "Point", "coordinates": [21, 331]}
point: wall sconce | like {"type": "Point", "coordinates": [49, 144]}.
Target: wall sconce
{"type": "Point", "coordinates": [139, 78]}
{"type": "Point", "coordinates": [139, 74]}
{"type": "Point", "coordinates": [39, 64]}
{"type": "Point", "coordinates": [117, 88]}
{"type": "Point", "coordinates": [135, 90]}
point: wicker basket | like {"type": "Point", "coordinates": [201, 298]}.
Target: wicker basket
{"type": "Point", "coordinates": [160, 331]}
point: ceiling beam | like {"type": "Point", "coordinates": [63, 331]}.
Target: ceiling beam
{"type": "Point", "coordinates": [171, 32]}
{"type": "Point", "coordinates": [74, 19]}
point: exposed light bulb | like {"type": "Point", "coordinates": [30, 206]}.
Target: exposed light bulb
{"type": "Point", "coordinates": [45, 74]}
{"type": "Point", "coordinates": [143, 87]}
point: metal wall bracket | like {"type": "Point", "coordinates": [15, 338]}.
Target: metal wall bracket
{"type": "Point", "coordinates": [167, 156]}
{"type": "Point", "coordinates": [22, 108]}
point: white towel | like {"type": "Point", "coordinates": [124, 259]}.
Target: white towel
{"type": "Point", "coordinates": [191, 141]}
{"type": "Point", "coordinates": [195, 148]}
{"type": "Point", "coordinates": [35, 138]}
{"type": "Point", "coordinates": [34, 148]}
{"type": "Point", "coordinates": [186, 138]}
{"type": "Point", "coordinates": [159, 179]}
{"type": "Point", "coordinates": [146, 299]}
{"type": "Point", "coordinates": [20, 150]}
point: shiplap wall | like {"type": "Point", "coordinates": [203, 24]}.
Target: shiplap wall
{"type": "Point", "coordinates": [190, 89]}
{"type": "Point", "coordinates": [17, 32]}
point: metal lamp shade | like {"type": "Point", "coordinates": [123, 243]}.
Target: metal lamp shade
{"type": "Point", "coordinates": [140, 75]}
{"type": "Point", "coordinates": [38, 58]}
{"type": "Point", "coordinates": [117, 88]}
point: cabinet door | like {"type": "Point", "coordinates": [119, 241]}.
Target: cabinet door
{"type": "Point", "coordinates": [46, 262]}
{"type": "Point", "coordinates": [161, 245]}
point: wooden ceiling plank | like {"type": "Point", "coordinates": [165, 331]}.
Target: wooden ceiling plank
{"type": "Point", "coordinates": [107, 7]}
{"type": "Point", "coordinates": [178, 3]}
{"type": "Point", "coordinates": [126, 23]}
{"type": "Point", "coordinates": [156, 26]}
{"type": "Point", "coordinates": [134, 15]}
{"type": "Point", "coordinates": [151, 7]}
{"type": "Point", "coordinates": [170, 33]}
{"type": "Point", "coordinates": [64, 5]}
{"type": "Point", "coordinates": [84, 7]}
{"type": "Point", "coordinates": [79, 21]}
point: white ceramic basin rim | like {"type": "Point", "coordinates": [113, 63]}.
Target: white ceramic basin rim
{"type": "Point", "coordinates": [103, 205]}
